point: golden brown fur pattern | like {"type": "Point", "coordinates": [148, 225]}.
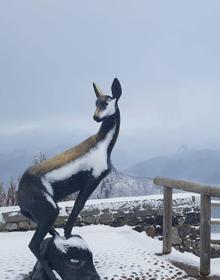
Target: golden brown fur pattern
{"type": "Point", "coordinates": [65, 157]}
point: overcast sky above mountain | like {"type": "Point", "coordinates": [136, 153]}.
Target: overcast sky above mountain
{"type": "Point", "coordinates": [165, 53]}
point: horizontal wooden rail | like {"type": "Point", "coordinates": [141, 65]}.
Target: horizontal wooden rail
{"type": "Point", "coordinates": [215, 221]}
{"type": "Point", "coordinates": [215, 203]}
{"type": "Point", "coordinates": [188, 186]}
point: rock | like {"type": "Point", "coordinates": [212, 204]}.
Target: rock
{"type": "Point", "coordinates": [215, 241]}
{"type": "Point", "coordinates": [184, 230]}
{"type": "Point", "coordinates": [188, 245]}
{"type": "Point", "coordinates": [25, 225]}
{"type": "Point", "coordinates": [3, 227]}
{"type": "Point", "coordinates": [70, 258]}
{"type": "Point", "coordinates": [89, 220]}
{"type": "Point", "coordinates": [60, 221]}
{"type": "Point", "coordinates": [150, 231]}
{"type": "Point", "coordinates": [78, 221]}
{"type": "Point", "coordinates": [194, 232]}
{"type": "Point", "coordinates": [215, 250]}
{"type": "Point", "coordinates": [139, 228]}
{"type": "Point", "coordinates": [142, 214]}
{"type": "Point", "coordinates": [149, 221]}
{"type": "Point", "coordinates": [186, 210]}
{"type": "Point", "coordinates": [176, 240]}
{"type": "Point", "coordinates": [159, 220]}
{"type": "Point", "coordinates": [177, 220]}
{"type": "Point", "coordinates": [11, 226]}
{"type": "Point", "coordinates": [2, 223]}
{"type": "Point", "coordinates": [14, 217]}
{"type": "Point", "coordinates": [119, 214]}
{"type": "Point", "coordinates": [133, 221]}
{"type": "Point", "coordinates": [106, 210]}
{"type": "Point", "coordinates": [119, 222]}
{"type": "Point", "coordinates": [159, 230]}
{"type": "Point", "coordinates": [91, 212]}
{"type": "Point", "coordinates": [106, 219]}
{"type": "Point", "coordinates": [192, 218]}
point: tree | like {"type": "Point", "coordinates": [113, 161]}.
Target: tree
{"type": "Point", "coordinates": [2, 195]}
{"type": "Point", "coordinates": [39, 157]}
{"type": "Point", "coordinates": [12, 194]}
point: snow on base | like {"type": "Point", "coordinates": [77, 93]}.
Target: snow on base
{"type": "Point", "coordinates": [119, 253]}
{"type": "Point", "coordinates": [64, 244]}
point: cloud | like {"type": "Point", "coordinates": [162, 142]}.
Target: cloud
{"type": "Point", "coordinates": [165, 54]}
{"type": "Point", "coordinates": [9, 130]}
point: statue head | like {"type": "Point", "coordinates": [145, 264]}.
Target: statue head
{"type": "Point", "coordinates": [106, 106]}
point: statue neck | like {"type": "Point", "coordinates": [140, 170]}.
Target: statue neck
{"type": "Point", "coordinates": [111, 124]}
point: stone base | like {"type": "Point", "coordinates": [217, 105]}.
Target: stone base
{"type": "Point", "coordinates": [70, 259]}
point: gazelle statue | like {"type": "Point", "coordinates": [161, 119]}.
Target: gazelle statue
{"type": "Point", "coordinates": [79, 169]}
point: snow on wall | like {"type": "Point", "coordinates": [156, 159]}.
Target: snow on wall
{"type": "Point", "coordinates": [137, 202]}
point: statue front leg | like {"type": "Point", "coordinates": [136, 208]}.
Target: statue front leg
{"type": "Point", "coordinates": [78, 206]}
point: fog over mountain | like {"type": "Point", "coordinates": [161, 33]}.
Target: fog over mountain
{"type": "Point", "coordinates": [196, 165]}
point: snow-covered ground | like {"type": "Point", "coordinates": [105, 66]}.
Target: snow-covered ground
{"type": "Point", "coordinates": [119, 253]}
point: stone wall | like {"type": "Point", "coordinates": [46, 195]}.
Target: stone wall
{"type": "Point", "coordinates": [132, 211]}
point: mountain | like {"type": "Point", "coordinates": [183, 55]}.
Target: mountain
{"type": "Point", "coordinates": [14, 164]}
{"type": "Point", "coordinates": [197, 165]}
{"type": "Point", "coordinates": [117, 184]}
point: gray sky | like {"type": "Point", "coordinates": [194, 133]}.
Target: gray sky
{"type": "Point", "coordinates": [165, 53]}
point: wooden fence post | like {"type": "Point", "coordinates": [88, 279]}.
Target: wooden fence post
{"type": "Point", "coordinates": [167, 221]}
{"type": "Point", "coordinates": [205, 234]}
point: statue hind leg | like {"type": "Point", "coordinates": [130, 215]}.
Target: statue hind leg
{"type": "Point", "coordinates": [52, 231]}
{"type": "Point", "coordinates": [44, 212]}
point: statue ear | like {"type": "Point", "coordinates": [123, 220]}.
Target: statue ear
{"type": "Point", "coordinates": [97, 90]}
{"type": "Point", "coordinates": [116, 89]}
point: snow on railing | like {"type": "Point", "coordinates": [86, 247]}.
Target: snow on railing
{"type": "Point", "coordinates": [206, 192]}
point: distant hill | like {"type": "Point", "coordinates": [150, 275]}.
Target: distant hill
{"type": "Point", "coordinates": [197, 165]}
{"type": "Point", "coordinates": [14, 164]}
{"type": "Point", "coordinates": [117, 184]}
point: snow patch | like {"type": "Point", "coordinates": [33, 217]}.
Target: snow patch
{"type": "Point", "coordinates": [64, 244]}
{"type": "Point", "coordinates": [13, 214]}
{"type": "Point", "coordinates": [47, 185]}
{"type": "Point", "coordinates": [95, 159]}
{"type": "Point", "coordinates": [2, 220]}
{"type": "Point", "coordinates": [50, 199]}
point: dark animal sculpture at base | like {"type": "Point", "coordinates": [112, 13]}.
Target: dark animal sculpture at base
{"type": "Point", "coordinates": [79, 169]}
{"type": "Point", "coordinates": [70, 258]}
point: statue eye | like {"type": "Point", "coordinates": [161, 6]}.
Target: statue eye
{"type": "Point", "coordinates": [104, 103]}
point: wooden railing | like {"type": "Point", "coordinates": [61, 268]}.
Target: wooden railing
{"type": "Point", "coordinates": [206, 192]}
